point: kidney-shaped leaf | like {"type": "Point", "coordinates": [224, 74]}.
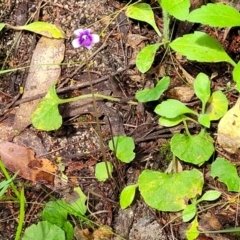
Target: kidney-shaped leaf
{"type": "Point", "coordinates": [42, 231]}
{"type": "Point", "coordinates": [203, 48]}
{"type": "Point", "coordinates": [169, 192]}
{"type": "Point", "coordinates": [195, 149]}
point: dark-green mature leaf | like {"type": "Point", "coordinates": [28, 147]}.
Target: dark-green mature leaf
{"type": "Point", "coordinates": [216, 15]}
{"type": "Point", "coordinates": [200, 47]}
{"type": "Point", "coordinates": [147, 95]}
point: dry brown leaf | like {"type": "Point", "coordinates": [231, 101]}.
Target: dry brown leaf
{"type": "Point", "coordinates": [17, 158]}
{"type": "Point", "coordinates": [228, 129]}
{"type": "Point", "coordinates": [43, 72]}
{"type": "Point", "coordinates": [183, 94]}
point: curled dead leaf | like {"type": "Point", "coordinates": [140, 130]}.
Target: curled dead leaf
{"type": "Point", "coordinates": [17, 158]}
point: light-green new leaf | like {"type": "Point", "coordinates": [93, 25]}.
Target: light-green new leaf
{"type": "Point", "coordinates": [124, 147]}
{"type": "Point", "coordinates": [127, 195]}
{"type": "Point", "coordinates": [147, 95]}
{"type": "Point", "coordinates": [226, 173]}
{"type": "Point", "coordinates": [215, 15]}
{"type": "Point", "coordinates": [195, 149]}
{"type": "Point", "coordinates": [202, 88]}
{"type": "Point", "coordinates": [200, 47]}
{"type": "Point", "coordinates": [146, 57]}
{"type": "Point", "coordinates": [103, 172]}
{"type": "Point", "coordinates": [45, 29]}
{"type": "Point", "coordinates": [177, 8]}
{"type": "Point", "coordinates": [47, 117]}
{"type": "Point", "coordinates": [168, 192]}
{"type": "Point", "coordinates": [172, 108]}
{"type": "Point", "coordinates": [2, 25]}
{"type": "Point", "coordinates": [44, 230]}
{"type": "Point", "coordinates": [143, 12]}
{"type": "Point", "coordinates": [236, 75]}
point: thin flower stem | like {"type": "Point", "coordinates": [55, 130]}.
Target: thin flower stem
{"type": "Point", "coordinates": [96, 95]}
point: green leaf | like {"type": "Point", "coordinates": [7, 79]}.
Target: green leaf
{"type": "Point", "coordinates": [216, 15]}
{"type": "Point", "coordinates": [147, 95]}
{"type": "Point", "coordinates": [204, 120]}
{"type": "Point", "coordinates": [46, 117]}
{"type": "Point", "coordinates": [217, 105]}
{"type": "Point", "coordinates": [189, 212]}
{"type": "Point", "coordinates": [226, 173]}
{"type": "Point", "coordinates": [43, 28]}
{"type": "Point", "coordinates": [236, 75]}
{"type": "Point", "coordinates": [210, 195]}
{"type": "Point", "coordinates": [101, 172]}
{"type": "Point", "coordinates": [195, 149]}
{"type": "Point", "coordinates": [172, 108]}
{"type": "Point", "coordinates": [54, 213]}
{"type": "Point", "coordinates": [42, 231]}
{"type": "Point", "coordinates": [127, 195]}
{"type": "Point", "coordinates": [170, 122]}
{"type": "Point", "coordinates": [6, 183]}
{"type": "Point", "coordinates": [143, 12]}
{"type": "Point", "coordinates": [177, 8]}
{"type": "Point", "coordinates": [2, 25]}
{"type": "Point", "coordinates": [169, 192]}
{"type": "Point", "coordinates": [202, 87]}
{"type": "Point", "coordinates": [192, 231]}
{"type": "Point", "coordinates": [124, 147]}
{"type": "Point", "coordinates": [146, 57]}
{"type": "Point", "coordinates": [203, 48]}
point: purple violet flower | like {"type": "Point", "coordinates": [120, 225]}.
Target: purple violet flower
{"type": "Point", "coordinates": [84, 38]}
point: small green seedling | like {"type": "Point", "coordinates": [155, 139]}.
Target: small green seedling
{"type": "Point", "coordinates": [55, 224]}
{"type": "Point", "coordinates": [4, 185]}
{"type": "Point", "coordinates": [198, 148]}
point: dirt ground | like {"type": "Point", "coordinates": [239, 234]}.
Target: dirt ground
{"type": "Point", "coordinates": [114, 73]}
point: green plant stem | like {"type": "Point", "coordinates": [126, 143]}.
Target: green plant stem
{"type": "Point", "coordinates": [7, 176]}
{"type": "Point", "coordinates": [186, 128]}
{"type": "Point", "coordinates": [166, 22]}
{"type": "Point", "coordinates": [97, 120]}
{"type": "Point", "coordinates": [97, 95]}
{"type": "Point", "coordinates": [21, 215]}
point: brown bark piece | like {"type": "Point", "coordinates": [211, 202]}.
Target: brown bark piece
{"type": "Point", "coordinates": [43, 72]}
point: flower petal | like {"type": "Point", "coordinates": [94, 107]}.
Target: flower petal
{"type": "Point", "coordinates": [78, 32]}
{"type": "Point", "coordinates": [75, 43]}
{"type": "Point", "coordinates": [95, 38]}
